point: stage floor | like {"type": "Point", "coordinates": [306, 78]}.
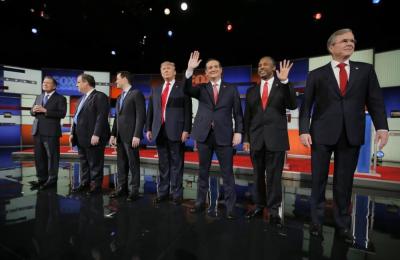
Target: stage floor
{"type": "Point", "coordinates": [386, 178]}
{"type": "Point", "coordinates": [57, 224]}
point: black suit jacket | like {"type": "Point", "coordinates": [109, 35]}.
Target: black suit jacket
{"type": "Point", "coordinates": [268, 126]}
{"type": "Point", "coordinates": [220, 115]}
{"type": "Point", "coordinates": [48, 124]}
{"type": "Point", "coordinates": [331, 110]}
{"type": "Point", "coordinates": [178, 113]}
{"type": "Point", "coordinates": [92, 120]}
{"type": "Point", "coordinates": [130, 119]}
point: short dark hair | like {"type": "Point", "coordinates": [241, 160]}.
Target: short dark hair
{"type": "Point", "coordinates": [270, 58]}
{"type": "Point", "coordinates": [212, 59]}
{"type": "Point", "coordinates": [126, 74]}
{"type": "Point", "coordinates": [89, 79]}
{"type": "Point", "coordinates": [52, 79]}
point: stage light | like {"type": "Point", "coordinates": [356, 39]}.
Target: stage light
{"type": "Point", "coordinates": [113, 52]}
{"type": "Point", "coordinates": [122, 11]}
{"type": "Point", "coordinates": [376, 2]}
{"type": "Point", "coordinates": [229, 26]}
{"type": "Point", "coordinates": [167, 11]}
{"type": "Point", "coordinates": [184, 6]}
{"type": "Point", "coordinates": [34, 30]}
{"type": "Point", "coordinates": [32, 10]}
{"type": "Point", "coordinates": [170, 33]}
{"type": "Point", "coordinates": [150, 9]}
{"type": "Point", "coordinates": [317, 16]}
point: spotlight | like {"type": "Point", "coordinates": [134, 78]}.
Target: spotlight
{"type": "Point", "coordinates": [32, 10]}
{"type": "Point", "coordinates": [317, 16]}
{"type": "Point", "coordinates": [113, 52]}
{"type": "Point", "coordinates": [376, 2]}
{"type": "Point", "coordinates": [170, 33]}
{"type": "Point", "coordinates": [167, 11]}
{"type": "Point", "coordinates": [122, 11]}
{"type": "Point", "coordinates": [229, 27]}
{"type": "Point", "coordinates": [150, 9]}
{"type": "Point", "coordinates": [34, 30]}
{"type": "Point", "coordinates": [184, 6]}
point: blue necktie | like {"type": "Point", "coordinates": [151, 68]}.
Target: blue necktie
{"type": "Point", "coordinates": [121, 100]}
{"type": "Point", "coordinates": [79, 109]}
{"type": "Point", "coordinates": [45, 99]}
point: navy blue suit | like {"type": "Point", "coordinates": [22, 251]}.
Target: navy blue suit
{"type": "Point", "coordinates": [92, 120]}
{"type": "Point", "coordinates": [46, 131]}
{"type": "Point", "coordinates": [213, 130]}
{"type": "Point", "coordinates": [338, 125]}
{"type": "Point", "coordinates": [129, 122]}
{"type": "Point", "coordinates": [178, 118]}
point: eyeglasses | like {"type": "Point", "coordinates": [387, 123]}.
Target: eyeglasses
{"type": "Point", "coordinates": [347, 41]}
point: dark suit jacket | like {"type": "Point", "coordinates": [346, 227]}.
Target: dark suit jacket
{"type": "Point", "coordinates": [92, 120]}
{"type": "Point", "coordinates": [268, 127]}
{"type": "Point", "coordinates": [178, 113]}
{"type": "Point", "coordinates": [48, 124]}
{"type": "Point", "coordinates": [220, 115]}
{"type": "Point", "coordinates": [130, 119]}
{"type": "Point", "coordinates": [331, 110]}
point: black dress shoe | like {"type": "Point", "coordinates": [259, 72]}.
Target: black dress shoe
{"type": "Point", "coordinates": [316, 230]}
{"type": "Point", "coordinates": [177, 201]}
{"type": "Point", "coordinates": [346, 235]}
{"type": "Point", "coordinates": [275, 220]}
{"type": "Point", "coordinates": [230, 215]}
{"type": "Point", "coordinates": [133, 197]}
{"type": "Point", "coordinates": [160, 199]}
{"type": "Point", "coordinates": [48, 185]}
{"type": "Point", "coordinates": [81, 188]}
{"type": "Point", "coordinates": [197, 209]}
{"type": "Point", "coordinates": [254, 213]}
{"type": "Point", "coordinates": [119, 193]}
{"type": "Point", "coordinates": [36, 184]}
{"type": "Point", "coordinates": [94, 190]}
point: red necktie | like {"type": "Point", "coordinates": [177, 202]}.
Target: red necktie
{"type": "Point", "coordinates": [164, 97]}
{"type": "Point", "coordinates": [342, 78]}
{"type": "Point", "coordinates": [215, 90]}
{"type": "Point", "coordinates": [264, 97]}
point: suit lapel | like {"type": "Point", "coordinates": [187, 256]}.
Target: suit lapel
{"type": "Point", "coordinates": [210, 92]}
{"type": "Point", "coordinates": [172, 93]}
{"type": "Point", "coordinates": [87, 100]}
{"type": "Point", "coordinates": [222, 90]}
{"type": "Point", "coordinates": [274, 89]}
{"type": "Point", "coordinates": [354, 71]}
{"type": "Point", "coordinates": [126, 96]}
{"type": "Point", "coordinates": [332, 82]}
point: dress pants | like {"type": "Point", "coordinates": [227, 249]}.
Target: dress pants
{"type": "Point", "coordinates": [268, 167]}
{"type": "Point", "coordinates": [346, 157]}
{"type": "Point", "coordinates": [47, 157]}
{"type": "Point", "coordinates": [225, 158]}
{"type": "Point", "coordinates": [171, 159]}
{"type": "Point", "coordinates": [128, 160]}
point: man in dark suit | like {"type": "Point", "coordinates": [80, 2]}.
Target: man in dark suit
{"type": "Point", "coordinates": [266, 134]}
{"type": "Point", "coordinates": [169, 121]}
{"type": "Point", "coordinates": [338, 93]}
{"type": "Point", "coordinates": [49, 108]}
{"type": "Point", "coordinates": [130, 116]}
{"type": "Point", "coordinates": [90, 132]}
{"type": "Point", "coordinates": [213, 129]}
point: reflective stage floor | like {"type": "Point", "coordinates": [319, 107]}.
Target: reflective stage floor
{"type": "Point", "coordinates": [56, 224]}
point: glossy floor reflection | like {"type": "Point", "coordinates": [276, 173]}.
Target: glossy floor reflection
{"type": "Point", "coordinates": [55, 224]}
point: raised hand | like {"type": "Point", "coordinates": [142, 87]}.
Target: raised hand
{"type": "Point", "coordinates": [284, 69]}
{"type": "Point", "coordinates": [194, 60]}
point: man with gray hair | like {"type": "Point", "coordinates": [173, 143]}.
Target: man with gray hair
{"type": "Point", "coordinates": [336, 95]}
